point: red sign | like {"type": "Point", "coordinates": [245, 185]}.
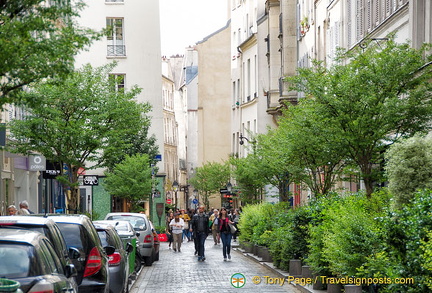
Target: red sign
{"type": "Point", "coordinates": [168, 201]}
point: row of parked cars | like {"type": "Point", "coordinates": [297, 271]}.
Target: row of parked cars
{"type": "Point", "coordinates": [70, 253]}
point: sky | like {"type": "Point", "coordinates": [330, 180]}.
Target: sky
{"type": "Point", "coordinates": [186, 22]}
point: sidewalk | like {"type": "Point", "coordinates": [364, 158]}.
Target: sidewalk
{"type": "Point", "coordinates": [181, 272]}
{"type": "Point", "coordinates": [276, 271]}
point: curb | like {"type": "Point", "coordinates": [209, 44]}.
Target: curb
{"type": "Point", "coordinates": [281, 273]}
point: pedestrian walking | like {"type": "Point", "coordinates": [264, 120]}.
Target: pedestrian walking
{"type": "Point", "coordinates": [186, 219]}
{"type": "Point", "coordinates": [225, 233]}
{"type": "Point", "coordinates": [200, 226]}
{"type": "Point", "coordinates": [215, 226]}
{"type": "Point", "coordinates": [236, 219]}
{"type": "Point", "coordinates": [177, 225]}
{"type": "Point", "coordinates": [169, 218]}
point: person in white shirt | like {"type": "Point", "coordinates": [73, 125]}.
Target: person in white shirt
{"type": "Point", "coordinates": [177, 225]}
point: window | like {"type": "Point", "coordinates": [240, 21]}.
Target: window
{"type": "Point", "coordinates": [115, 37]}
{"type": "Point", "coordinates": [118, 81]}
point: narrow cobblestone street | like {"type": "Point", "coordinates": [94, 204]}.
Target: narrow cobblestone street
{"type": "Point", "coordinates": [181, 272]}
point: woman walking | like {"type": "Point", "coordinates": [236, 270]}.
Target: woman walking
{"type": "Point", "coordinates": [177, 225]}
{"type": "Point", "coordinates": [225, 233]}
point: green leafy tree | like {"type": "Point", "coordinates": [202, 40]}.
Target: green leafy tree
{"type": "Point", "coordinates": [38, 41]}
{"type": "Point", "coordinates": [409, 167]}
{"type": "Point", "coordinates": [209, 179]}
{"type": "Point", "coordinates": [131, 179]}
{"type": "Point", "coordinates": [73, 121]}
{"type": "Point", "coordinates": [381, 95]}
{"type": "Point", "coordinates": [308, 144]}
{"type": "Point", "coordinates": [248, 180]}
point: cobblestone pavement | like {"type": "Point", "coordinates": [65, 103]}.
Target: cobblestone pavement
{"type": "Point", "coordinates": [181, 272]}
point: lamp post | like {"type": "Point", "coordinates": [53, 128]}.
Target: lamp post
{"type": "Point", "coordinates": [175, 188]}
{"type": "Point", "coordinates": [195, 194]}
{"type": "Point", "coordinates": [241, 142]}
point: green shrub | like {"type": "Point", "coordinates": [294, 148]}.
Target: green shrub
{"type": "Point", "coordinates": [248, 220]}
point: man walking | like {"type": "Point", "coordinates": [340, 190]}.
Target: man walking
{"type": "Point", "coordinates": [200, 227]}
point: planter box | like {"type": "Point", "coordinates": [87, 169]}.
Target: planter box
{"type": "Point", "coordinates": [264, 253]}
{"type": "Point", "coordinates": [247, 246]}
{"type": "Point", "coordinates": [306, 272]}
{"type": "Point", "coordinates": [255, 249]}
{"type": "Point", "coordinates": [295, 267]}
{"type": "Point", "coordinates": [353, 289]}
{"type": "Point", "coordinates": [318, 285]}
{"type": "Point", "coordinates": [334, 288]}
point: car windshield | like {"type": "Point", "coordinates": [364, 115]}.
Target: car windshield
{"type": "Point", "coordinates": [103, 237]}
{"type": "Point", "coordinates": [15, 260]}
{"type": "Point", "coordinates": [137, 222]}
{"type": "Point", "coordinates": [74, 236]}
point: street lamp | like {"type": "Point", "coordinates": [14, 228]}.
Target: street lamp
{"type": "Point", "coordinates": [195, 194]}
{"type": "Point", "coordinates": [241, 142]}
{"type": "Point", "coordinates": [175, 188]}
{"type": "Point", "coordinates": [229, 186]}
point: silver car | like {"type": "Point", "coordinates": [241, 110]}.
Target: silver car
{"type": "Point", "coordinates": [142, 225]}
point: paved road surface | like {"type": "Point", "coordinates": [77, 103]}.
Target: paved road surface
{"type": "Point", "coordinates": [181, 272]}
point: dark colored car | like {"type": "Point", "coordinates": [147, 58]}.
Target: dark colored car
{"type": "Point", "coordinates": [118, 262]}
{"type": "Point", "coordinates": [45, 226]}
{"type": "Point", "coordinates": [29, 258]}
{"type": "Point", "coordinates": [141, 224]}
{"type": "Point", "coordinates": [129, 236]}
{"type": "Point", "coordinates": [92, 263]}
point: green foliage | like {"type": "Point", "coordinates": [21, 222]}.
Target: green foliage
{"type": "Point", "coordinates": [426, 247]}
{"type": "Point", "coordinates": [250, 183]}
{"type": "Point", "coordinates": [38, 41]}
{"type": "Point", "coordinates": [407, 233]}
{"type": "Point", "coordinates": [72, 121]}
{"type": "Point", "coordinates": [131, 179]}
{"type": "Point", "coordinates": [306, 141]}
{"type": "Point", "coordinates": [409, 167]}
{"type": "Point", "coordinates": [370, 97]}
{"type": "Point", "coordinates": [248, 220]}
{"type": "Point", "coordinates": [209, 179]}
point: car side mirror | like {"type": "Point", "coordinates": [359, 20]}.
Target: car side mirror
{"type": "Point", "coordinates": [109, 249]}
{"type": "Point", "coordinates": [129, 247]}
{"type": "Point", "coordinates": [70, 271]}
{"type": "Point", "coordinates": [137, 234]}
{"type": "Point", "coordinates": [74, 253]}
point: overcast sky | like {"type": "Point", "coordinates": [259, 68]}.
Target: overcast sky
{"type": "Point", "coordinates": [185, 22]}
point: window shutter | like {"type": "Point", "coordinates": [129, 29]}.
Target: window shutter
{"type": "Point", "coordinates": [349, 23]}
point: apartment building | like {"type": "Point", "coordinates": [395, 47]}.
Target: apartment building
{"type": "Point", "coordinates": [134, 43]}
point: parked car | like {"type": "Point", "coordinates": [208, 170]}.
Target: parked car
{"type": "Point", "coordinates": [141, 224]}
{"type": "Point", "coordinates": [156, 241]}
{"type": "Point", "coordinates": [29, 258]}
{"type": "Point", "coordinates": [127, 235]}
{"type": "Point", "coordinates": [45, 226]}
{"type": "Point", "coordinates": [92, 264]}
{"type": "Point", "coordinates": [118, 262]}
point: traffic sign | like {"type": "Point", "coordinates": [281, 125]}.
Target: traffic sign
{"type": "Point", "coordinates": [195, 201]}
{"type": "Point", "coordinates": [168, 201]}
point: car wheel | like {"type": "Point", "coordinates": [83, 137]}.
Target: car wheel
{"type": "Point", "coordinates": [138, 264]}
{"type": "Point", "coordinates": [148, 260]}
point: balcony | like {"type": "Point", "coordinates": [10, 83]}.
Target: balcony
{"type": "Point", "coordinates": [116, 50]}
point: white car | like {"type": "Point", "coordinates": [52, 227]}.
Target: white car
{"type": "Point", "coordinates": [141, 224]}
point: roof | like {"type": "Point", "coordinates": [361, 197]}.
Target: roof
{"type": "Point", "coordinates": [24, 236]}
{"type": "Point", "coordinates": [25, 220]}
